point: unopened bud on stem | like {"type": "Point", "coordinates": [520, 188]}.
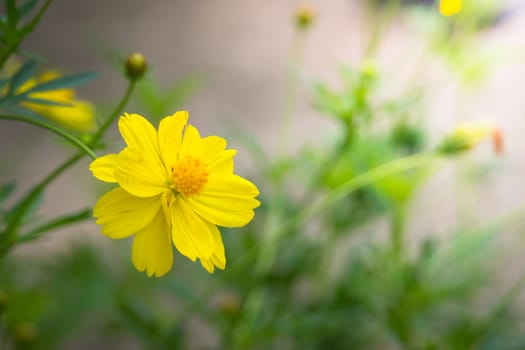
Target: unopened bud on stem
{"type": "Point", "coordinates": [136, 66]}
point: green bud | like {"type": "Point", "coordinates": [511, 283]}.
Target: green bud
{"type": "Point", "coordinates": [136, 66]}
{"type": "Point", "coordinates": [304, 16]}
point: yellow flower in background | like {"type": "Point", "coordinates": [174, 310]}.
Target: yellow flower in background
{"type": "Point", "coordinates": [450, 7]}
{"type": "Point", "coordinates": [468, 135]}
{"type": "Point", "coordinates": [174, 186]}
{"type": "Point", "coordinates": [75, 114]}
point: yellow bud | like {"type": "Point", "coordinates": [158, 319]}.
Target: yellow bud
{"type": "Point", "coordinates": [304, 16]}
{"type": "Point", "coordinates": [136, 66]}
{"type": "Point", "coordinates": [467, 136]}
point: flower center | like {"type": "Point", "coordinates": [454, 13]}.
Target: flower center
{"type": "Point", "coordinates": [189, 176]}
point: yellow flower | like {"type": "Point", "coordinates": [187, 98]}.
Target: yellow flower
{"type": "Point", "coordinates": [174, 186]}
{"type": "Point", "coordinates": [449, 7]}
{"type": "Point", "coordinates": [77, 115]}
{"type": "Point", "coordinates": [468, 135]}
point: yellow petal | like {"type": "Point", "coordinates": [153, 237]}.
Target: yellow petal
{"type": "Point", "coordinates": [140, 175]}
{"type": "Point", "coordinates": [103, 168]}
{"type": "Point", "coordinates": [138, 133]}
{"type": "Point", "coordinates": [151, 250]}
{"type": "Point", "coordinates": [449, 7]}
{"type": "Point", "coordinates": [122, 214]}
{"type": "Point", "coordinates": [226, 201]}
{"type": "Point", "coordinates": [191, 235]}
{"type": "Point", "coordinates": [170, 136]}
{"type": "Point", "coordinates": [218, 259]}
{"type": "Point", "coordinates": [190, 141]}
{"type": "Point", "coordinates": [222, 162]}
{"type": "Point", "coordinates": [211, 151]}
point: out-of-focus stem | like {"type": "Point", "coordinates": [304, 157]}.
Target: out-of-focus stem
{"type": "Point", "coordinates": [53, 129]}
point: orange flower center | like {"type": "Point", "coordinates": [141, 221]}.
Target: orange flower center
{"type": "Point", "coordinates": [189, 176]}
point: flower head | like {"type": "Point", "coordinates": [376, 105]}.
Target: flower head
{"type": "Point", "coordinates": [450, 7]}
{"type": "Point", "coordinates": [466, 136]}
{"type": "Point", "coordinates": [174, 186]}
{"type": "Point", "coordinates": [74, 114]}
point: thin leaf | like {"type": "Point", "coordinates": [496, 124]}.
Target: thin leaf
{"type": "Point", "coordinates": [6, 190]}
{"type": "Point", "coordinates": [41, 101]}
{"type": "Point", "coordinates": [20, 110]}
{"type": "Point", "coordinates": [3, 82]}
{"type": "Point", "coordinates": [12, 15]}
{"type": "Point", "coordinates": [26, 7]}
{"type": "Point", "coordinates": [55, 223]}
{"type": "Point", "coordinates": [64, 82]}
{"type": "Point", "coordinates": [22, 75]}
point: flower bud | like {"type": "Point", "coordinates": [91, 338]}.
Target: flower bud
{"type": "Point", "coordinates": [228, 303]}
{"type": "Point", "coordinates": [136, 66]}
{"type": "Point", "coordinates": [467, 136]}
{"type": "Point", "coordinates": [304, 16]}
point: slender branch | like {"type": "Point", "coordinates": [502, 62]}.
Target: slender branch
{"type": "Point", "coordinates": [54, 223]}
{"type": "Point", "coordinates": [53, 129]}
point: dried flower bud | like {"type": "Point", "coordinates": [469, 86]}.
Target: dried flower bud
{"type": "Point", "coordinates": [136, 66]}
{"type": "Point", "coordinates": [304, 16]}
{"type": "Point", "coordinates": [228, 303]}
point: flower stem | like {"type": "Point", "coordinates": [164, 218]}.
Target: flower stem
{"type": "Point", "coordinates": [55, 130]}
{"type": "Point", "coordinates": [9, 237]}
{"type": "Point", "coordinates": [397, 228]}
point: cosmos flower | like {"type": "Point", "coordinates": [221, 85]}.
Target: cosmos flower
{"type": "Point", "coordinates": [173, 186]}
{"type": "Point", "coordinates": [450, 7]}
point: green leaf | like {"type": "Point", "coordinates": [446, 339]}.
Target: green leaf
{"type": "Point", "coordinates": [64, 82]}
{"type": "Point", "coordinates": [9, 107]}
{"type": "Point", "coordinates": [22, 75]}
{"type": "Point", "coordinates": [6, 190]}
{"type": "Point", "coordinates": [26, 7]}
{"type": "Point", "coordinates": [12, 15]}
{"type": "Point", "coordinates": [41, 101]}
{"type": "Point", "coordinates": [68, 219]}
{"type": "Point", "coordinates": [3, 82]}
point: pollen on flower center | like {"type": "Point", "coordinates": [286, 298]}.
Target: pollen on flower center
{"type": "Point", "coordinates": [188, 176]}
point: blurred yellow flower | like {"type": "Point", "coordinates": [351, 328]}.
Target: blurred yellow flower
{"type": "Point", "coordinates": [175, 186]}
{"type": "Point", "coordinates": [75, 114]}
{"type": "Point", "coordinates": [449, 7]}
{"type": "Point", "coordinates": [468, 135]}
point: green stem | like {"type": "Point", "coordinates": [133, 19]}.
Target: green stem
{"type": "Point", "coordinates": [53, 129]}
{"type": "Point", "coordinates": [10, 237]}
{"type": "Point", "coordinates": [398, 228]}
{"type": "Point", "coordinates": [56, 222]}
{"type": "Point", "coordinates": [380, 24]}
{"type": "Point", "coordinates": [12, 46]}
